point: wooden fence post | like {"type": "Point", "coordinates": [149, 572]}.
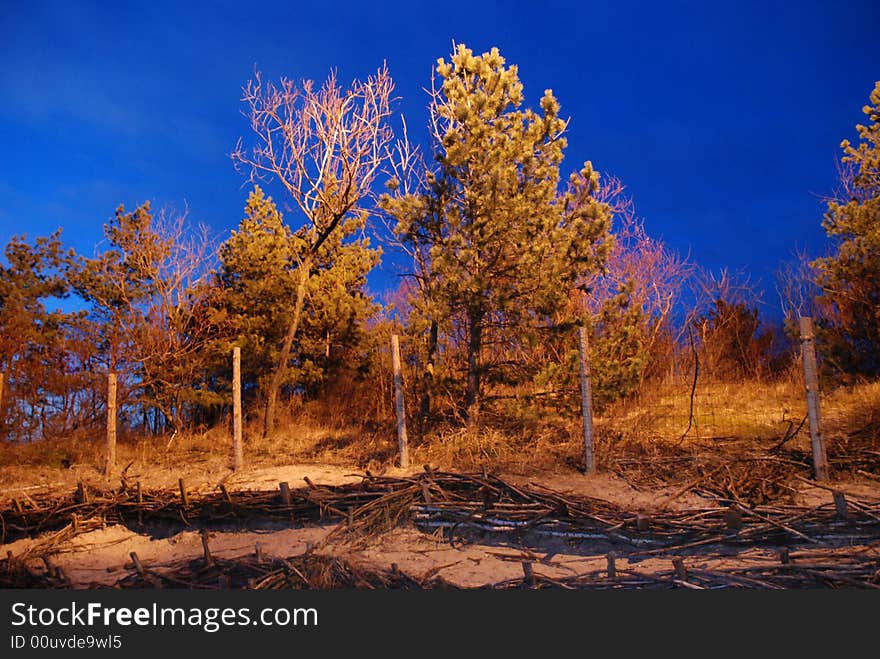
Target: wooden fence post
{"type": "Point", "coordinates": [285, 493]}
{"type": "Point", "coordinates": [586, 399]}
{"type": "Point", "coordinates": [811, 380]}
{"type": "Point", "coordinates": [238, 451]}
{"type": "Point", "coordinates": [398, 399]}
{"type": "Point", "coordinates": [110, 464]}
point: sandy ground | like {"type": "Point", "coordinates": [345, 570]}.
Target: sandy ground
{"type": "Point", "coordinates": [102, 556]}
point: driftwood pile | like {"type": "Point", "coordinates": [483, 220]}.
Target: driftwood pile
{"type": "Point", "coordinates": [304, 572]}
{"type": "Point", "coordinates": [748, 471]}
{"type": "Point", "coordinates": [134, 506]}
{"type": "Point", "coordinates": [836, 544]}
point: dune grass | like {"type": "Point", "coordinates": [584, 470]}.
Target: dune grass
{"type": "Point", "coordinates": [316, 433]}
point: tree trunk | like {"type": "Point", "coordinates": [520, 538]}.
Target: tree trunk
{"type": "Point", "coordinates": [428, 377]}
{"type": "Point", "coordinates": [475, 344]}
{"type": "Point", "coordinates": [278, 376]}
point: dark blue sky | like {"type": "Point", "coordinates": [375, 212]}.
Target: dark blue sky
{"type": "Point", "coordinates": [723, 119]}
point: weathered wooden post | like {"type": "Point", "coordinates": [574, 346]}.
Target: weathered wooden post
{"type": "Point", "coordinates": [110, 464]}
{"type": "Point", "coordinates": [398, 400]}
{"type": "Point", "coordinates": [586, 399]}
{"type": "Point", "coordinates": [612, 566]}
{"type": "Point", "coordinates": [238, 451]}
{"type": "Point", "coordinates": [285, 493]}
{"type": "Point", "coordinates": [811, 381]}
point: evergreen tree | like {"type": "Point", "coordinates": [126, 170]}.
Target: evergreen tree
{"type": "Point", "coordinates": [502, 246]}
{"type": "Point", "coordinates": [256, 288]}
{"type": "Point", "coordinates": [33, 346]}
{"type": "Point", "coordinates": [256, 295]}
{"type": "Point", "coordinates": [617, 354]}
{"type": "Point", "coordinates": [850, 277]}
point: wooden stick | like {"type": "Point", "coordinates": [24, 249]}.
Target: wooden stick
{"type": "Point", "coordinates": [81, 493]}
{"type": "Point", "coordinates": [528, 573]}
{"type": "Point", "coordinates": [237, 450]}
{"type": "Point", "coordinates": [586, 400]}
{"type": "Point", "coordinates": [225, 493]}
{"type": "Point", "coordinates": [811, 381]}
{"type": "Point", "coordinates": [259, 553]}
{"type": "Point", "coordinates": [680, 571]}
{"type": "Point", "coordinates": [285, 494]}
{"type": "Point", "coordinates": [137, 563]}
{"type": "Point", "coordinates": [780, 525]}
{"type": "Point", "coordinates": [403, 444]}
{"type": "Point", "coordinates": [840, 504]}
{"type": "Point", "coordinates": [612, 567]}
{"type": "Point", "coordinates": [209, 560]}
{"type": "Point", "coordinates": [183, 498]}
{"type": "Point", "coordinates": [110, 463]}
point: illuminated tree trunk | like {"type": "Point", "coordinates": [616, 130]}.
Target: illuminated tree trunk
{"type": "Point", "coordinates": [284, 358]}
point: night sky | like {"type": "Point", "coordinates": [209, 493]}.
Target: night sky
{"type": "Point", "coordinates": [723, 119]}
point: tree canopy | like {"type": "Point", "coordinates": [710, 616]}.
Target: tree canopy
{"type": "Point", "coordinates": [850, 276]}
{"type": "Point", "coordinates": [501, 243]}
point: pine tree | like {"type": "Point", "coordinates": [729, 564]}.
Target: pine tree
{"type": "Point", "coordinates": [256, 287]}
{"type": "Point", "coordinates": [850, 277]}
{"type": "Point", "coordinates": [501, 245]}
{"type": "Point", "coordinates": [256, 295]}
{"type": "Point", "coordinates": [33, 346]}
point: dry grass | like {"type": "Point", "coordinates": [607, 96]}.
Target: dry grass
{"type": "Point", "coordinates": [747, 410]}
{"type": "Point", "coordinates": [649, 425]}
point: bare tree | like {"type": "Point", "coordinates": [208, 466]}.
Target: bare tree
{"type": "Point", "coordinates": [172, 342]}
{"type": "Point", "coordinates": [796, 287]}
{"type": "Point", "coordinates": [725, 313]}
{"type": "Point", "coordinates": [656, 272]}
{"type": "Point", "coordinates": [324, 145]}
{"type": "Point", "coordinates": [146, 295]}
